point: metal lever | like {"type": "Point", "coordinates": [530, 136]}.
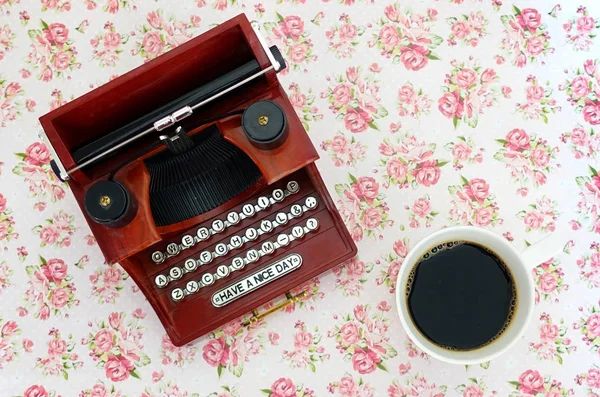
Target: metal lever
{"type": "Point", "coordinates": [256, 316]}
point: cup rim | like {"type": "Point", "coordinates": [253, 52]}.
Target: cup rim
{"type": "Point", "coordinates": [413, 254]}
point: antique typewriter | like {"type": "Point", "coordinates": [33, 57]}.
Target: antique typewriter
{"type": "Point", "coordinates": [196, 175]}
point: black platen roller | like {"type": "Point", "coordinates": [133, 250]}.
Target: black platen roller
{"type": "Point", "coordinates": [265, 125]}
{"type": "Point", "coordinates": [108, 203]}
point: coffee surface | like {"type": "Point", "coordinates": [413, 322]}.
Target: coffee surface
{"type": "Point", "coordinates": [461, 298]}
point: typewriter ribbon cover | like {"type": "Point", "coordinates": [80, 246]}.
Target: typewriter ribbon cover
{"type": "Point", "coordinates": [196, 175]}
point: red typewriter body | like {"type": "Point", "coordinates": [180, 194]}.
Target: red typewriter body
{"type": "Point", "coordinates": [280, 229]}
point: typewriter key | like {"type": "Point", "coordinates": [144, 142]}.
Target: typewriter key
{"type": "Point", "coordinates": [248, 209]}
{"type": "Point", "coordinates": [296, 210]}
{"type": "Point", "coordinates": [252, 255]}
{"type": "Point", "coordinates": [203, 233]}
{"type": "Point", "coordinates": [176, 273]}
{"type": "Point", "coordinates": [221, 249]}
{"type": "Point", "coordinates": [233, 218]}
{"type": "Point", "coordinates": [187, 241]}
{"type": "Point", "coordinates": [109, 203]}
{"type": "Point", "coordinates": [223, 271]}
{"type": "Point", "coordinates": [265, 125]}
{"type": "Point", "coordinates": [236, 242]}
{"type": "Point", "coordinates": [177, 294]}
{"type": "Point", "coordinates": [192, 286]}
{"type": "Point", "coordinates": [218, 225]}
{"type": "Point", "coordinates": [251, 234]}
{"type": "Point", "coordinates": [278, 195]}
{"type": "Point", "coordinates": [267, 247]}
{"type": "Point", "coordinates": [161, 281]}
{"type": "Point", "coordinates": [205, 257]}
{"type": "Point", "coordinates": [190, 265]}
{"type": "Point", "coordinates": [293, 187]}
{"type": "Point", "coordinates": [311, 202]}
{"type": "Point", "coordinates": [298, 231]}
{"type": "Point", "coordinates": [263, 202]}
{"type": "Point", "coordinates": [173, 249]}
{"type": "Point", "coordinates": [237, 263]}
{"type": "Point", "coordinates": [312, 224]}
{"type": "Point", "coordinates": [158, 257]}
{"type": "Point", "coordinates": [208, 279]}
{"type": "Point", "coordinates": [283, 240]}
{"type": "Point", "coordinates": [266, 225]}
{"type": "Point", "coordinates": [281, 218]}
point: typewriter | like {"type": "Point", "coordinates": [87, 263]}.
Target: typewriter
{"type": "Point", "coordinates": [195, 174]}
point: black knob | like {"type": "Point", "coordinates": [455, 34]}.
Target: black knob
{"type": "Point", "coordinates": [265, 125]}
{"type": "Point", "coordinates": [109, 203]}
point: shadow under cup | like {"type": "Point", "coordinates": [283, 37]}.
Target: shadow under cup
{"type": "Point", "coordinates": [522, 279]}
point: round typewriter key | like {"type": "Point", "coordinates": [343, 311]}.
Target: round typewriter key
{"type": "Point", "coordinates": [192, 287]}
{"type": "Point", "coordinates": [203, 233]}
{"type": "Point", "coordinates": [252, 255]}
{"type": "Point", "coordinates": [208, 279]}
{"type": "Point", "coordinates": [293, 187]}
{"type": "Point", "coordinates": [268, 247]}
{"type": "Point", "coordinates": [297, 231]}
{"type": "Point", "coordinates": [283, 240]}
{"type": "Point", "coordinates": [218, 225]}
{"type": "Point", "coordinates": [296, 210]}
{"type": "Point", "coordinates": [263, 202]}
{"type": "Point", "coordinates": [237, 263]}
{"type": "Point", "coordinates": [190, 265]}
{"type": "Point", "coordinates": [205, 257]}
{"type": "Point", "coordinates": [161, 281]}
{"type": "Point", "coordinates": [312, 224]}
{"type": "Point", "coordinates": [266, 225]}
{"type": "Point", "coordinates": [278, 195]}
{"type": "Point", "coordinates": [248, 209]}
{"type": "Point", "coordinates": [233, 217]}
{"type": "Point", "coordinates": [223, 271]}
{"type": "Point", "coordinates": [251, 234]}
{"type": "Point", "coordinates": [176, 273]}
{"type": "Point", "coordinates": [173, 248]}
{"type": "Point", "coordinates": [158, 257]}
{"type": "Point", "coordinates": [236, 242]}
{"type": "Point", "coordinates": [221, 249]}
{"type": "Point", "coordinates": [281, 218]}
{"type": "Point", "coordinates": [310, 202]}
{"type": "Point", "coordinates": [177, 294]}
{"type": "Point", "coordinates": [187, 241]}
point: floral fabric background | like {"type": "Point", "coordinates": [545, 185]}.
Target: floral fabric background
{"type": "Point", "coordinates": [426, 114]}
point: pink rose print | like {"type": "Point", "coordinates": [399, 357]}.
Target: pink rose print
{"type": "Point", "coordinates": [464, 152]}
{"type": "Point", "coordinates": [362, 338]}
{"type": "Point", "coordinates": [540, 216]}
{"type": "Point", "coordinates": [344, 151]}
{"type": "Point", "coordinates": [117, 347]}
{"type": "Point", "coordinates": [473, 204]}
{"type": "Point", "coordinates": [552, 344]}
{"type": "Point", "coordinates": [311, 294]}
{"type": "Point", "coordinates": [584, 143]}
{"type": "Point", "coordinates": [532, 383]}
{"type": "Point", "coordinates": [284, 387]}
{"type": "Point", "coordinates": [413, 102]}
{"type": "Point", "coordinates": [415, 385]}
{"type": "Point", "coordinates": [582, 88]}
{"type": "Point", "coordinates": [50, 290]}
{"type": "Point", "coordinates": [61, 358]}
{"type": "Point", "coordinates": [52, 52]}
{"type": "Point", "coordinates": [409, 162]}
{"type": "Point", "coordinates": [589, 200]}
{"type": "Point", "coordinates": [468, 91]}
{"type": "Point", "coordinates": [549, 282]}
{"type": "Point", "coordinates": [107, 282]}
{"type": "Point", "coordinates": [6, 39]}
{"type": "Point", "coordinates": [421, 211]}
{"type": "Point", "coordinates": [100, 389]}
{"type": "Point", "coordinates": [581, 30]}
{"type": "Point", "coordinates": [38, 390]}
{"type": "Point", "coordinates": [589, 326]}
{"type": "Point", "coordinates": [390, 264]}
{"type": "Point", "coordinates": [525, 37]}
{"type": "Point", "coordinates": [57, 5]}
{"type": "Point", "coordinates": [112, 6]}
{"type": "Point", "coordinates": [588, 264]}
{"type": "Point", "coordinates": [231, 346]}
{"type": "Point", "coordinates": [468, 29]}
{"type": "Point", "coordinates": [57, 231]}
{"type": "Point", "coordinates": [527, 157]}
{"type": "Point", "coordinates": [304, 105]}
{"type": "Point", "coordinates": [11, 346]}
{"type": "Point", "coordinates": [178, 356]}
{"type": "Point", "coordinates": [107, 45]}
{"type": "Point", "coordinates": [10, 95]}
{"type": "Point", "coordinates": [160, 35]}
{"type": "Point", "coordinates": [172, 388]}
{"type": "Point", "coordinates": [343, 37]}
{"type": "Point", "coordinates": [591, 380]}
{"type": "Point", "coordinates": [348, 386]}
{"type": "Point", "coordinates": [289, 34]}
{"type": "Point", "coordinates": [306, 352]}
{"type": "Point", "coordinates": [405, 37]}
{"type": "Point", "coordinates": [7, 223]}
{"type": "Point", "coordinates": [355, 99]}
{"type": "Point", "coordinates": [539, 102]}
{"type": "Point", "coordinates": [351, 275]}
{"type": "Point", "coordinates": [474, 388]}
{"type": "Point", "coordinates": [34, 167]}
{"type": "Point", "coordinates": [5, 274]}
{"type": "Point", "coordinates": [362, 207]}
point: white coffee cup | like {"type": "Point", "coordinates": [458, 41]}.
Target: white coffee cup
{"type": "Point", "coordinates": [520, 265]}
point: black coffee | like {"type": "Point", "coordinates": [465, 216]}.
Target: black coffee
{"type": "Point", "coordinates": [462, 297]}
